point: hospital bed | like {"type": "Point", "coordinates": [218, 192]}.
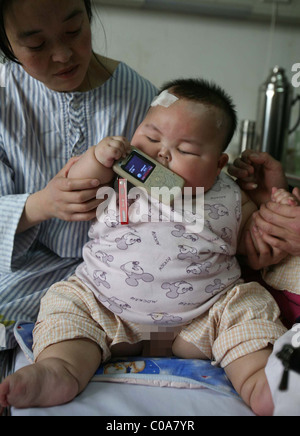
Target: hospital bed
{"type": "Point", "coordinates": [164, 387]}
{"type": "Point", "coordinates": [140, 386]}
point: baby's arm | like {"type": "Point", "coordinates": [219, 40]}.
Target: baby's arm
{"type": "Point", "coordinates": [97, 161]}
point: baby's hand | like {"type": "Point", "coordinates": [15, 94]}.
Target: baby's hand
{"type": "Point", "coordinates": [111, 149]}
{"type": "Point", "coordinates": [283, 197]}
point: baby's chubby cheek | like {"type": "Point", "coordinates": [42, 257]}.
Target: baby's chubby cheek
{"type": "Point", "coordinates": [196, 180]}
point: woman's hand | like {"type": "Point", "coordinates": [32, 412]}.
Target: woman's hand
{"type": "Point", "coordinates": [71, 195]}
{"type": "Point", "coordinates": [261, 250]}
{"type": "Point", "coordinates": [63, 198]}
{"type": "Point", "coordinates": [70, 199]}
{"type": "Point", "coordinates": [259, 253]}
{"type": "Point", "coordinates": [280, 226]}
{"type": "Point", "coordinates": [281, 233]}
{"type": "Point", "coordinates": [257, 174]}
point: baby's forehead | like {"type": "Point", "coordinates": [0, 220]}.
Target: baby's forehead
{"type": "Point", "coordinates": [200, 108]}
{"type": "Point", "coordinates": [164, 99]}
{"type": "Point", "coordinates": [207, 110]}
{"type": "Point", "coordinates": [168, 98]}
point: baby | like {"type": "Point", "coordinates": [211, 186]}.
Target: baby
{"type": "Point", "coordinates": [149, 279]}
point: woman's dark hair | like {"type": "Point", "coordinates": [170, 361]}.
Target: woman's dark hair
{"type": "Point", "coordinates": [5, 47]}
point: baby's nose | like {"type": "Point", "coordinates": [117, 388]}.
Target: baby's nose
{"type": "Point", "coordinates": [164, 157]}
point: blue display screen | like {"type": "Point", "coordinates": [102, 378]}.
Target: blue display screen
{"type": "Point", "coordinates": [139, 167]}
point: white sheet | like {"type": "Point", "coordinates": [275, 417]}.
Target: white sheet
{"type": "Point", "coordinates": [114, 399]}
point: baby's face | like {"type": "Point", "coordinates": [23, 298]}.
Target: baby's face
{"type": "Point", "coordinates": [187, 138]}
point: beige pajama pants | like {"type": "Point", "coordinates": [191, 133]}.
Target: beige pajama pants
{"type": "Point", "coordinates": [244, 320]}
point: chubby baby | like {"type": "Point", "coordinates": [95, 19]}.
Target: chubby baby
{"type": "Point", "coordinates": [151, 279]}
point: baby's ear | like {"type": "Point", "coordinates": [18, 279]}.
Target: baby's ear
{"type": "Point", "coordinates": [223, 161]}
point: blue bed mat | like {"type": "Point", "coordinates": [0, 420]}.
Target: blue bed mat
{"type": "Point", "coordinates": [163, 372]}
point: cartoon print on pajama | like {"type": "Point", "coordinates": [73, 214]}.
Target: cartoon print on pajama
{"type": "Point", "coordinates": [114, 304]}
{"type": "Point", "coordinates": [187, 252]}
{"type": "Point", "coordinates": [199, 268]}
{"type": "Point", "coordinates": [127, 240]}
{"type": "Point", "coordinates": [167, 265]}
{"type": "Point", "coordinates": [217, 287]}
{"type": "Point", "coordinates": [111, 219]}
{"type": "Point", "coordinates": [93, 246]}
{"type": "Point", "coordinates": [100, 279]}
{"type": "Point", "coordinates": [226, 235]}
{"type": "Point", "coordinates": [135, 272]}
{"type": "Point", "coordinates": [216, 210]}
{"type": "Point", "coordinates": [180, 232]}
{"type": "Point", "coordinates": [164, 318]}
{"type": "Point", "coordinates": [177, 288]}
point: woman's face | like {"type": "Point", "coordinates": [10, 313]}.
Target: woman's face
{"type": "Point", "coordinates": [52, 40]}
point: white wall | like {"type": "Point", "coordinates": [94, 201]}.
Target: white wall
{"type": "Point", "coordinates": [162, 46]}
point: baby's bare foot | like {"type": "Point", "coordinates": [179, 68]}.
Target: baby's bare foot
{"type": "Point", "coordinates": [44, 384]}
{"type": "Point", "coordinates": [283, 197]}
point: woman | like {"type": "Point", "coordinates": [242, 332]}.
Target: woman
{"type": "Point", "coordinates": [59, 99]}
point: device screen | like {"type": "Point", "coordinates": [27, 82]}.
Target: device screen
{"type": "Point", "coordinates": [139, 167]}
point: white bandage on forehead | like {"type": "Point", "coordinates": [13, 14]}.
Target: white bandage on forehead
{"type": "Point", "coordinates": [164, 99]}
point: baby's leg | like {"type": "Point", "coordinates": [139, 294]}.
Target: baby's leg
{"type": "Point", "coordinates": [186, 350]}
{"type": "Point", "coordinates": [247, 374]}
{"type": "Point", "coordinates": [62, 371]}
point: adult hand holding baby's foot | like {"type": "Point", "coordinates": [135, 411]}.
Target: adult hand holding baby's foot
{"type": "Point", "coordinates": [264, 246]}
{"type": "Point", "coordinates": [279, 221]}
{"type": "Point", "coordinates": [281, 196]}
